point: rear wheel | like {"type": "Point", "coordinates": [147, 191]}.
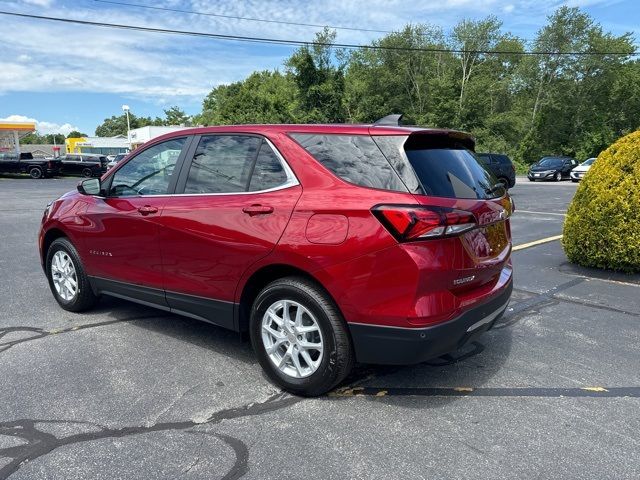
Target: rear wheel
{"type": "Point", "coordinates": [87, 173]}
{"type": "Point", "coordinates": [300, 337]}
{"type": "Point", "coordinates": [67, 279]}
{"type": "Point", "coordinates": [35, 172]}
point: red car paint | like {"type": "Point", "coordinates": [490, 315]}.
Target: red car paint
{"type": "Point", "coordinates": [212, 246]}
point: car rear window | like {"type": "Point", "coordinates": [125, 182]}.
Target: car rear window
{"type": "Point", "coordinates": [442, 166]}
{"type": "Point", "coordinates": [354, 158]}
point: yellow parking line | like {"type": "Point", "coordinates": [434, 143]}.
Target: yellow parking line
{"type": "Point", "coordinates": [541, 213]}
{"type": "Point", "coordinates": [537, 242]}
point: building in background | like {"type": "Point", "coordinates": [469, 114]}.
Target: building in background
{"type": "Point", "coordinates": [10, 134]}
{"type": "Point", "coordinates": [101, 145]}
{"type": "Point", "coordinates": [117, 144]}
{"type": "Point", "coordinates": [142, 135]}
{"type": "Point", "coordinates": [41, 150]}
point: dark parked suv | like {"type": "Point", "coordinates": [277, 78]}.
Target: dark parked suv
{"type": "Point", "coordinates": [328, 244]}
{"type": "Point", "coordinates": [501, 166]}
{"type": "Point", "coordinates": [84, 164]}
{"type": "Point", "coordinates": [552, 168]}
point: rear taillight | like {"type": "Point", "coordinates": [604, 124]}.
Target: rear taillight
{"type": "Point", "coordinates": [420, 222]}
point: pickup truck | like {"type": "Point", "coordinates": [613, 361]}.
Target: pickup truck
{"type": "Point", "coordinates": [25, 163]}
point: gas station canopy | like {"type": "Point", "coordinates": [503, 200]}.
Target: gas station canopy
{"type": "Point", "coordinates": [11, 132]}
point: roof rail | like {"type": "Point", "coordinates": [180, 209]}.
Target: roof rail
{"type": "Point", "coordinates": [389, 121]}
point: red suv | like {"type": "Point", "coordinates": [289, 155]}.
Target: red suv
{"type": "Point", "coordinates": [328, 244]}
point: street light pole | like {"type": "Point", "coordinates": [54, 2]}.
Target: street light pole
{"type": "Point", "coordinates": [126, 111]}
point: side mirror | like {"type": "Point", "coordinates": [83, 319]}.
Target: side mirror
{"type": "Point", "coordinates": [90, 186]}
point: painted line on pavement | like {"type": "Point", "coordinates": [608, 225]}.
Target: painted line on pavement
{"type": "Point", "coordinates": [536, 242]}
{"type": "Point", "coordinates": [548, 392]}
{"type": "Point", "coordinates": [540, 213]}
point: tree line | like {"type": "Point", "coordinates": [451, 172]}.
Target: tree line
{"type": "Point", "coordinates": [554, 102]}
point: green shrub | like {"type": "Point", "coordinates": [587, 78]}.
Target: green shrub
{"type": "Point", "coordinates": [602, 228]}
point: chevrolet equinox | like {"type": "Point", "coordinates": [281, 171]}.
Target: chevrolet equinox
{"type": "Point", "coordinates": [327, 244]}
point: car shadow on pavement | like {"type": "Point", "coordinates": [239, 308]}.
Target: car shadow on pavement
{"type": "Point", "coordinates": [434, 383]}
{"type": "Point", "coordinates": [470, 367]}
{"type": "Point", "coordinates": [201, 334]}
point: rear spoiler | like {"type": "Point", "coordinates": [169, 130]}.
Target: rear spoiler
{"type": "Point", "coordinates": [441, 136]}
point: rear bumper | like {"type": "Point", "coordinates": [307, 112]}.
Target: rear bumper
{"type": "Point", "coordinates": [405, 346]}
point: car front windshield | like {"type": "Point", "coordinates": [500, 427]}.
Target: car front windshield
{"type": "Point", "coordinates": [550, 162]}
{"type": "Point", "coordinates": [588, 162]}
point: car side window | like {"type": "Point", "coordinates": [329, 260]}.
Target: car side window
{"type": "Point", "coordinates": [222, 164]}
{"type": "Point", "coordinates": [149, 172]}
{"type": "Point", "coordinates": [268, 171]}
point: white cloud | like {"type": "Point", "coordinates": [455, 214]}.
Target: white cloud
{"type": "Point", "coordinates": [42, 127]}
{"type": "Point", "coordinates": [48, 56]}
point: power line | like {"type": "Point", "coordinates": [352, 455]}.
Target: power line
{"type": "Point", "coordinates": [262, 20]}
{"type": "Point", "coordinates": [277, 41]}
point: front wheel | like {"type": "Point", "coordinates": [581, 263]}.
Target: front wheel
{"type": "Point", "coordinates": [300, 338]}
{"type": "Point", "coordinates": [556, 177]}
{"type": "Point", "coordinates": [67, 279]}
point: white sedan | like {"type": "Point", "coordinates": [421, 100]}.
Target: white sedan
{"type": "Point", "coordinates": [581, 170]}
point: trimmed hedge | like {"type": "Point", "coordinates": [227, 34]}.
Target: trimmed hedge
{"type": "Point", "coordinates": [602, 228]}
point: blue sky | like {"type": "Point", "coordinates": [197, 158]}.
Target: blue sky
{"type": "Point", "coordinates": [72, 77]}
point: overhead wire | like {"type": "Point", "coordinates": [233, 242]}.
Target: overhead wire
{"type": "Point", "coordinates": [278, 41]}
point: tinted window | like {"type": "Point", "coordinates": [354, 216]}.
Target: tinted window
{"type": "Point", "coordinates": [452, 173]}
{"type": "Point", "coordinates": [484, 158]}
{"type": "Point", "coordinates": [354, 158]}
{"type": "Point", "coordinates": [268, 171]}
{"type": "Point", "coordinates": [503, 159]}
{"type": "Point", "coordinates": [222, 164]}
{"type": "Point", "coordinates": [149, 172]}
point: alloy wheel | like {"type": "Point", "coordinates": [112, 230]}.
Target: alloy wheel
{"type": "Point", "coordinates": [63, 275]}
{"type": "Point", "coordinates": [292, 338]}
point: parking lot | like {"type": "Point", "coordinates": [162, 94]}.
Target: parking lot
{"type": "Point", "coordinates": [126, 391]}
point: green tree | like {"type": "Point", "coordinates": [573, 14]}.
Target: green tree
{"type": "Point", "coordinates": [176, 116]}
{"type": "Point", "coordinates": [319, 77]}
{"type": "Point", "coordinates": [76, 134]}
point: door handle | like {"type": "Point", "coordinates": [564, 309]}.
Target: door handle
{"type": "Point", "coordinates": [147, 209]}
{"type": "Point", "coordinates": [254, 210]}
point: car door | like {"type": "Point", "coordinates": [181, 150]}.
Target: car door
{"type": "Point", "coordinates": [9, 163]}
{"type": "Point", "coordinates": [236, 197]}
{"type": "Point", "coordinates": [566, 167]}
{"type": "Point", "coordinates": [71, 164]}
{"type": "Point", "coordinates": [121, 233]}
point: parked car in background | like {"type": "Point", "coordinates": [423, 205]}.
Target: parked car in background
{"type": "Point", "coordinates": [581, 170]}
{"type": "Point", "coordinates": [501, 166]}
{"type": "Point", "coordinates": [84, 164]}
{"type": "Point", "coordinates": [328, 244]}
{"type": "Point", "coordinates": [114, 161]}
{"type": "Point", "coordinates": [551, 168]}
{"type": "Point", "coordinates": [25, 163]}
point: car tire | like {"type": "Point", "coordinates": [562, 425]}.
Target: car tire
{"type": "Point", "coordinates": [504, 182]}
{"type": "Point", "coordinates": [556, 177]}
{"type": "Point", "coordinates": [531, 179]}
{"type": "Point", "coordinates": [87, 173]}
{"type": "Point", "coordinates": [35, 172]}
{"type": "Point", "coordinates": [574, 180]}
{"type": "Point", "coordinates": [80, 299]}
{"type": "Point", "coordinates": [326, 369]}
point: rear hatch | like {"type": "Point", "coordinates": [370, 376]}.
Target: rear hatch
{"type": "Point", "coordinates": [450, 181]}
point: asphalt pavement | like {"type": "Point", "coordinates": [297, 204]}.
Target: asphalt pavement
{"type": "Point", "coordinates": [126, 391]}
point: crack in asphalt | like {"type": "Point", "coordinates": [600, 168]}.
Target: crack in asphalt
{"type": "Point", "coordinates": [39, 333]}
{"type": "Point", "coordinates": [40, 443]}
{"type": "Point", "coordinates": [534, 303]}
